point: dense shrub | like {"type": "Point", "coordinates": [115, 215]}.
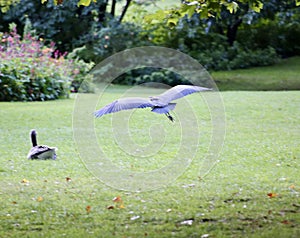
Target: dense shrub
{"type": "Point", "coordinates": [284, 38]}
{"type": "Point", "coordinates": [211, 49]}
{"type": "Point", "coordinates": [105, 40]}
{"type": "Point", "coordinates": [148, 74]}
{"type": "Point", "coordinates": [63, 23]}
{"type": "Point", "coordinates": [190, 36]}
{"type": "Point", "coordinates": [236, 57]}
{"type": "Point", "coordinates": [82, 81]}
{"type": "Point", "coordinates": [30, 71]}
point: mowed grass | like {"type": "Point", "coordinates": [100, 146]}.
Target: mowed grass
{"type": "Point", "coordinates": [253, 191]}
{"type": "Point", "coordinates": [282, 76]}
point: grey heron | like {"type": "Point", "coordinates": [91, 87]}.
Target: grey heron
{"type": "Point", "coordinates": [40, 151]}
{"type": "Point", "coordinates": [160, 104]}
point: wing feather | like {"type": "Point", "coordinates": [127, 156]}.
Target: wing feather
{"type": "Point", "coordinates": [124, 104]}
{"type": "Point", "coordinates": [180, 91]}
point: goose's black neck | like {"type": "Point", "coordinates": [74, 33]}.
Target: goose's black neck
{"type": "Point", "coordinates": [33, 138]}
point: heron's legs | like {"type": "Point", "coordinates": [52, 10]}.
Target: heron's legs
{"type": "Point", "coordinates": [169, 116]}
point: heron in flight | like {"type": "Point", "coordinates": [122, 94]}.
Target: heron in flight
{"type": "Point", "coordinates": [160, 104]}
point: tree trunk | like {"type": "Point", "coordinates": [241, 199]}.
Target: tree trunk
{"type": "Point", "coordinates": [232, 31]}
{"type": "Point", "coordinates": [113, 8]}
{"type": "Point", "coordinates": [124, 10]}
{"type": "Point", "coordinates": [102, 11]}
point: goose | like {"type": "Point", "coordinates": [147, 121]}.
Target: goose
{"type": "Point", "coordinates": [41, 152]}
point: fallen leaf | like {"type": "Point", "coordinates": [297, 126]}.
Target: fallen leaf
{"type": "Point", "coordinates": [24, 181]}
{"type": "Point", "coordinates": [270, 212]}
{"type": "Point", "coordinates": [272, 195]}
{"type": "Point", "coordinates": [88, 209]}
{"type": "Point", "coordinates": [292, 186]}
{"type": "Point", "coordinates": [14, 202]}
{"type": "Point", "coordinates": [117, 199]}
{"type": "Point", "coordinates": [39, 199]}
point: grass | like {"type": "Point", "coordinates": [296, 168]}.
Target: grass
{"type": "Point", "coordinates": [260, 157]}
{"type": "Point", "coordinates": [282, 76]}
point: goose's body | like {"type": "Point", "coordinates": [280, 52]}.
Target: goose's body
{"type": "Point", "coordinates": [41, 152]}
{"type": "Point", "coordinates": [160, 104]}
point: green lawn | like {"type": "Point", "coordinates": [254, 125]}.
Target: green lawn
{"type": "Point", "coordinates": [260, 156]}
{"type": "Point", "coordinates": [285, 75]}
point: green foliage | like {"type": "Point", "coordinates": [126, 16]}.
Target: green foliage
{"type": "Point", "coordinates": [205, 9]}
{"type": "Point", "coordinates": [6, 4]}
{"type": "Point", "coordinates": [211, 49]}
{"type": "Point", "coordinates": [80, 2]}
{"type": "Point", "coordinates": [235, 57]}
{"type": "Point", "coordinates": [223, 35]}
{"type": "Point", "coordinates": [16, 85]}
{"type": "Point", "coordinates": [103, 41]}
{"type": "Point", "coordinates": [82, 81]}
{"type": "Point", "coordinates": [147, 75]}
{"type": "Point", "coordinates": [85, 2]}
{"type": "Point", "coordinates": [235, 38]}
{"type": "Point", "coordinates": [63, 24]}
{"type": "Point", "coordinates": [28, 72]}
{"type": "Point", "coordinates": [281, 33]}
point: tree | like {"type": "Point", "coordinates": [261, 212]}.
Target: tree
{"type": "Point", "coordinates": [65, 22]}
{"type": "Point", "coordinates": [87, 3]}
{"type": "Point", "coordinates": [228, 23]}
{"type": "Point", "coordinates": [222, 16]}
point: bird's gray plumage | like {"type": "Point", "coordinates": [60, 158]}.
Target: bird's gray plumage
{"type": "Point", "coordinates": [160, 104]}
{"type": "Point", "coordinates": [40, 151]}
{"type": "Point", "coordinates": [179, 91]}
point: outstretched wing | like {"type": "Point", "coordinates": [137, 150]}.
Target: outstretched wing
{"type": "Point", "coordinates": [124, 104]}
{"type": "Point", "coordinates": [180, 91]}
